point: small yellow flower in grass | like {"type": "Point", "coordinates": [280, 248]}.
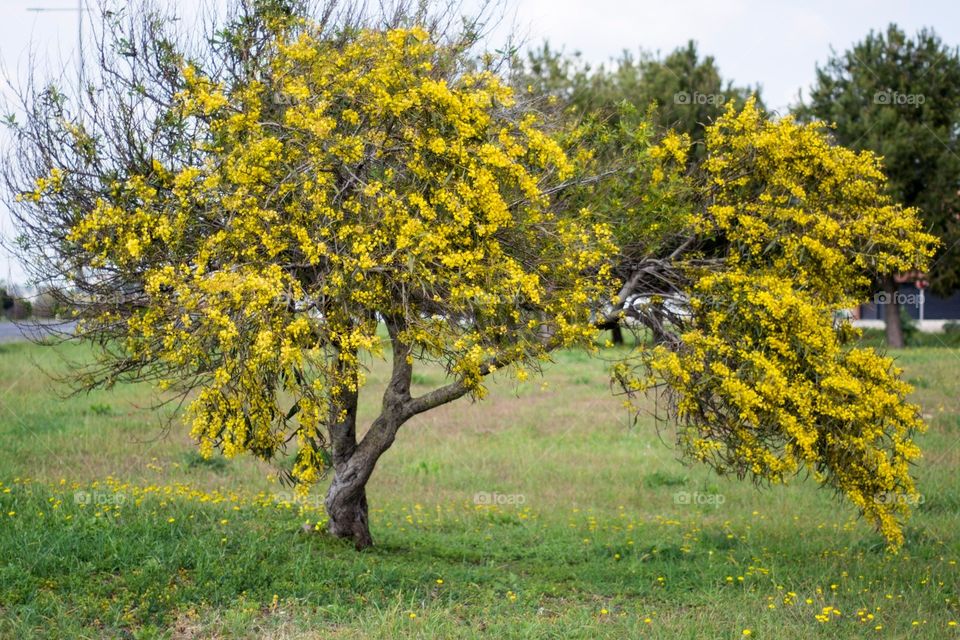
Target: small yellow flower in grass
{"type": "Point", "coordinates": [647, 620]}
{"type": "Point", "coordinates": [172, 520]}
{"type": "Point", "coordinates": [224, 521]}
{"type": "Point", "coordinates": [439, 580]}
{"type": "Point", "coordinates": [11, 513]}
{"type": "Point", "coordinates": [412, 615]}
{"type": "Point", "coordinates": [747, 632]}
{"type": "Point", "coordinates": [603, 612]}
{"type": "Point", "coordinates": [952, 623]}
{"type": "Point", "coordinates": [879, 627]}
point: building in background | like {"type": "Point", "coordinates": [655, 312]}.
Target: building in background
{"type": "Point", "coordinates": [930, 312]}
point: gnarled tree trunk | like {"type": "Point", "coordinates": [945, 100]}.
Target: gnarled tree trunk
{"type": "Point", "coordinates": [346, 500]}
{"type": "Point", "coordinates": [347, 510]}
{"type": "Point", "coordinates": [353, 462]}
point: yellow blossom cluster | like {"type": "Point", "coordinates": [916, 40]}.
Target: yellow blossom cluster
{"type": "Point", "coordinates": [764, 381]}
{"type": "Point", "coordinates": [352, 179]}
{"type": "Point", "coordinates": [789, 202]}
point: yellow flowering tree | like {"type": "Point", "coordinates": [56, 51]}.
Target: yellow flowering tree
{"type": "Point", "coordinates": [784, 229]}
{"type": "Point", "coordinates": [236, 222]}
{"type": "Point", "coordinates": [244, 246]}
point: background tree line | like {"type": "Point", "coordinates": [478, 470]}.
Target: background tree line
{"type": "Point", "coordinates": [16, 304]}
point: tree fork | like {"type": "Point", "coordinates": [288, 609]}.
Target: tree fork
{"type": "Point", "coordinates": [346, 500]}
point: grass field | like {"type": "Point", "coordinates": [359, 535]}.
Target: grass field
{"type": "Point", "coordinates": [112, 526]}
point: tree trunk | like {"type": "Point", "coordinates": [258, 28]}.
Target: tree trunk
{"type": "Point", "coordinates": [353, 462]}
{"type": "Point", "coordinates": [346, 501]}
{"type": "Point", "coordinates": [616, 334]}
{"type": "Point", "coordinates": [891, 314]}
{"type": "Point", "coordinates": [346, 505]}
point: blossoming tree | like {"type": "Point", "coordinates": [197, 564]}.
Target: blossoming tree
{"type": "Point", "coordinates": [236, 224]}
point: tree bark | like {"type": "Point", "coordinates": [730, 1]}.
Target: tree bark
{"type": "Point", "coordinates": [346, 504]}
{"type": "Point", "coordinates": [616, 334]}
{"type": "Point", "coordinates": [891, 314]}
{"type": "Point", "coordinates": [346, 501]}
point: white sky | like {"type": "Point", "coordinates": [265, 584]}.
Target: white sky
{"type": "Point", "coordinates": [775, 44]}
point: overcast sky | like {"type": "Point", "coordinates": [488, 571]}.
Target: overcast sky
{"type": "Point", "coordinates": [774, 44]}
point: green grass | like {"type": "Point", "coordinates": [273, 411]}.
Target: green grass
{"type": "Point", "coordinates": [949, 339]}
{"type": "Point", "coordinates": [112, 526]}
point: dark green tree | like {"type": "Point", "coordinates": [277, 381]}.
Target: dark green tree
{"type": "Point", "coordinates": [687, 91]}
{"type": "Point", "coordinates": [900, 98]}
{"type": "Point", "coordinates": [6, 300]}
